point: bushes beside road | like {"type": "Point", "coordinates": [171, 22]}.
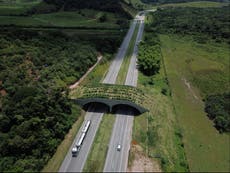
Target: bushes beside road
{"type": "Point", "coordinates": [149, 55]}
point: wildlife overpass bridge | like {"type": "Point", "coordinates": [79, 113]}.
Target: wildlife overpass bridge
{"type": "Point", "coordinates": [113, 96]}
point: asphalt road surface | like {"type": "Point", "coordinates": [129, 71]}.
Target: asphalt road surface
{"type": "Point", "coordinates": [117, 161]}
{"type": "Point", "coordinates": [95, 114]}
{"type": "Point", "coordinates": [116, 64]}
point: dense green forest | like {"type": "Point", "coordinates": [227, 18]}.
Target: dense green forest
{"type": "Point", "coordinates": [178, 1]}
{"type": "Point", "coordinates": [35, 69]}
{"type": "Point", "coordinates": [218, 109]}
{"type": "Point", "coordinates": [204, 25]}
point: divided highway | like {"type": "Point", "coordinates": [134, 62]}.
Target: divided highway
{"type": "Point", "coordinates": [95, 113]}
{"type": "Point", "coordinates": [117, 161]}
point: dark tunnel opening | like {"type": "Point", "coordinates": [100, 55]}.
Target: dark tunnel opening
{"type": "Point", "coordinates": [125, 109]}
{"type": "Point", "coordinates": [96, 107]}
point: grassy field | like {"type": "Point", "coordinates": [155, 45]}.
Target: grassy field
{"type": "Point", "coordinates": [98, 74]}
{"type": "Point", "coordinates": [96, 158]}
{"type": "Point", "coordinates": [187, 62]}
{"type": "Point", "coordinates": [81, 18]}
{"type": "Point", "coordinates": [198, 4]}
{"type": "Point", "coordinates": [16, 7]}
{"type": "Point", "coordinates": [56, 161]}
{"type": "Point", "coordinates": [156, 131]}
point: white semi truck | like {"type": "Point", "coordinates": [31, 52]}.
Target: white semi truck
{"type": "Point", "coordinates": [79, 143]}
{"type": "Point", "coordinates": [86, 127]}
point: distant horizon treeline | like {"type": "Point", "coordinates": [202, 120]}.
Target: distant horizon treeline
{"type": "Point", "coordinates": [178, 1]}
{"type": "Point", "coordinates": [203, 23]}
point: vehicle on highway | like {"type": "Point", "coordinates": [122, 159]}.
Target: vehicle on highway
{"type": "Point", "coordinates": [79, 143]}
{"type": "Point", "coordinates": [74, 151]}
{"type": "Point", "coordinates": [119, 147]}
{"type": "Point", "coordinates": [86, 126]}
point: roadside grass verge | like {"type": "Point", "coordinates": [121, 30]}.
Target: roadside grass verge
{"type": "Point", "coordinates": [188, 62]}
{"type": "Point", "coordinates": [198, 4]}
{"type": "Point", "coordinates": [157, 131]}
{"type": "Point", "coordinates": [55, 162]}
{"type": "Point", "coordinates": [125, 64]}
{"type": "Point", "coordinates": [99, 72]}
{"type": "Point", "coordinates": [80, 17]}
{"type": "Point", "coordinates": [96, 158]}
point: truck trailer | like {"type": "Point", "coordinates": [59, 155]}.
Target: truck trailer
{"type": "Point", "coordinates": [79, 143]}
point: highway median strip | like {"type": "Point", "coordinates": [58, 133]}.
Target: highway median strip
{"type": "Point", "coordinates": [93, 163]}
{"type": "Point", "coordinates": [96, 158]}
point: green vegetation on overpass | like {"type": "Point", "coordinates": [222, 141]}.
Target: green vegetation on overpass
{"type": "Point", "coordinates": [110, 95]}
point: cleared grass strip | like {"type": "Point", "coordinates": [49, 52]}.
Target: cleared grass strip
{"type": "Point", "coordinates": [97, 156]}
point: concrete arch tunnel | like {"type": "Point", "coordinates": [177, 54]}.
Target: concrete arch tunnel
{"type": "Point", "coordinates": [111, 104]}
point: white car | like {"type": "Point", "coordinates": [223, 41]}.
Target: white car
{"type": "Point", "coordinates": [74, 151]}
{"type": "Point", "coordinates": [118, 147]}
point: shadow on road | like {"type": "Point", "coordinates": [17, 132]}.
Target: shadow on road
{"type": "Point", "coordinates": [96, 107]}
{"type": "Point", "coordinates": [125, 110]}
{"type": "Point", "coordinates": [117, 109]}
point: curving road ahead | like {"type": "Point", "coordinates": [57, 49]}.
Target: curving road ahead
{"type": "Point", "coordinates": [117, 161]}
{"type": "Point", "coordinates": [95, 114]}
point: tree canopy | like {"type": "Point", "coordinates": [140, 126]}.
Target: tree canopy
{"type": "Point", "coordinates": [177, 1]}
{"type": "Point", "coordinates": [35, 69]}
{"type": "Point", "coordinates": [149, 55]}
{"type": "Point", "coordinates": [207, 22]}
{"type": "Point", "coordinates": [218, 109]}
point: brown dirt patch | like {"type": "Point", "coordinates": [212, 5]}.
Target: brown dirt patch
{"type": "Point", "coordinates": [141, 162]}
{"type": "Point", "coordinates": [3, 92]}
{"type": "Point", "coordinates": [134, 142]}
